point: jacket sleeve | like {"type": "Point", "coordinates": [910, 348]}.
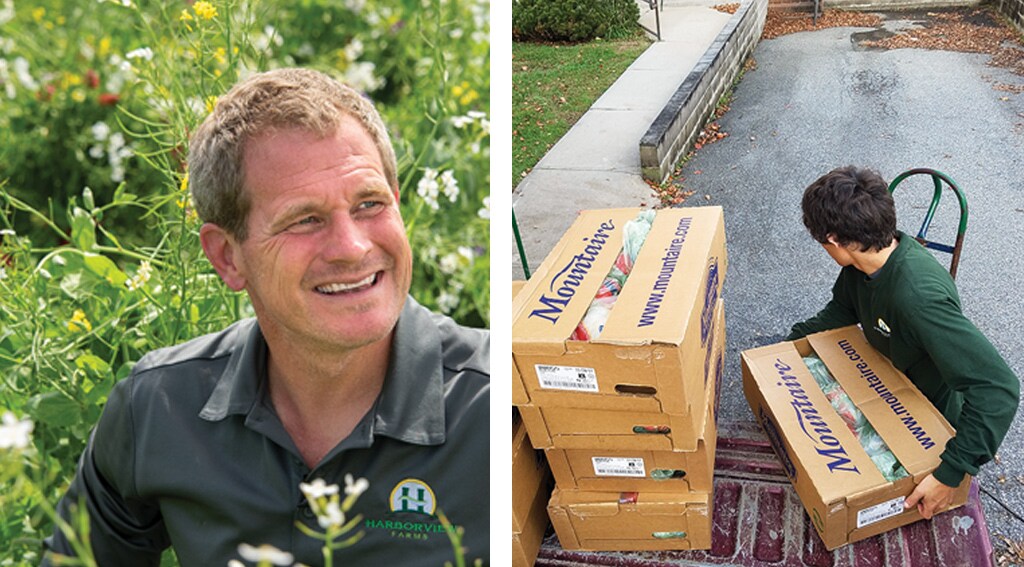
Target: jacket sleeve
{"type": "Point", "coordinates": [124, 529]}
{"type": "Point", "coordinates": [971, 366]}
{"type": "Point", "coordinates": [838, 312]}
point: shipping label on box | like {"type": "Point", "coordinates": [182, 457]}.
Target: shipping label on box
{"type": "Point", "coordinates": [602, 521]}
{"type": "Point", "coordinates": [557, 427]}
{"type": "Point", "coordinates": [844, 492]}
{"type": "Point", "coordinates": [651, 352]}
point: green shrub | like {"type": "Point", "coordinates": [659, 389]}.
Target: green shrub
{"type": "Point", "coordinates": [573, 20]}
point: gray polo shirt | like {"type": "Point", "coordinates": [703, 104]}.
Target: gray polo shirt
{"type": "Point", "coordinates": [190, 453]}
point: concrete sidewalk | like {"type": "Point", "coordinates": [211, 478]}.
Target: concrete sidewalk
{"type": "Point", "coordinates": [597, 163]}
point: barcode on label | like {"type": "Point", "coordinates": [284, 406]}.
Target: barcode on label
{"type": "Point", "coordinates": [619, 466]}
{"type": "Point", "coordinates": [567, 378]}
{"type": "Point", "coordinates": [879, 512]}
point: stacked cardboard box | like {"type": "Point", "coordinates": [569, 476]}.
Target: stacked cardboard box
{"type": "Point", "coordinates": [845, 495]}
{"type": "Point", "coordinates": [530, 492]}
{"type": "Point", "coordinates": [627, 419]}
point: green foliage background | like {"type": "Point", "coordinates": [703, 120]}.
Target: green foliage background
{"type": "Point", "coordinates": [99, 254]}
{"type": "Point", "coordinates": [573, 20]}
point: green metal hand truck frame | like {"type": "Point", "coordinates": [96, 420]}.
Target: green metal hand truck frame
{"type": "Point", "coordinates": [939, 179]}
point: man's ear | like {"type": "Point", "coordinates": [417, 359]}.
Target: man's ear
{"type": "Point", "coordinates": [833, 241]}
{"type": "Point", "coordinates": [222, 249]}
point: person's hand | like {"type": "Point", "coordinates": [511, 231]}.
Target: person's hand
{"type": "Point", "coordinates": [930, 497]}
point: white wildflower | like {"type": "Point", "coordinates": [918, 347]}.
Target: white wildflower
{"type": "Point", "coordinates": [428, 187]}
{"type": "Point", "coordinates": [7, 232]}
{"type": "Point", "coordinates": [461, 121]}
{"type": "Point", "coordinates": [265, 552]}
{"type": "Point", "coordinates": [141, 277]}
{"type": "Point", "coordinates": [140, 53]}
{"type": "Point", "coordinates": [449, 185]}
{"type": "Point", "coordinates": [456, 33]}
{"type": "Point", "coordinates": [24, 77]}
{"type": "Point", "coordinates": [3, 273]}
{"type": "Point", "coordinates": [235, 563]}
{"type": "Point", "coordinates": [355, 487]}
{"type": "Point", "coordinates": [485, 211]}
{"type": "Point", "coordinates": [360, 75]}
{"type": "Point", "coordinates": [15, 433]}
{"type": "Point", "coordinates": [96, 151]}
{"type": "Point", "coordinates": [331, 516]}
{"type": "Point", "coordinates": [354, 49]}
{"type": "Point", "coordinates": [355, 5]}
{"type": "Point", "coordinates": [476, 114]}
{"type": "Point", "coordinates": [447, 302]}
{"type": "Point", "coordinates": [100, 131]}
{"type": "Point", "coordinates": [317, 489]}
{"type": "Point", "coordinates": [449, 264]}
{"type": "Point", "coordinates": [7, 12]}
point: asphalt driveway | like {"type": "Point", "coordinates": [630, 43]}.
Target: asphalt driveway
{"type": "Point", "coordinates": [818, 100]}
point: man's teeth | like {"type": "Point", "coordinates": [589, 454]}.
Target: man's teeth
{"type": "Point", "coordinates": [340, 287]}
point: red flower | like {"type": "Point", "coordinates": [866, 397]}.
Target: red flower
{"type": "Point", "coordinates": [92, 79]}
{"type": "Point", "coordinates": [46, 93]}
{"type": "Point", "coordinates": [109, 99]}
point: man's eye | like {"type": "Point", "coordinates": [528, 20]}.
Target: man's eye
{"type": "Point", "coordinates": [307, 221]}
{"type": "Point", "coordinates": [370, 204]}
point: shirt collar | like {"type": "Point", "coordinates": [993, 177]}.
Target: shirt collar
{"type": "Point", "coordinates": [409, 408]}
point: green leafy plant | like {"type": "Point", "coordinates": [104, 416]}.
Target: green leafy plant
{"type": "Point", "coordinates": [573, 20]}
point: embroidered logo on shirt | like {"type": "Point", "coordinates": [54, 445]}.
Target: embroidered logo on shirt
{"type": "Point", "coordinates": [882, 328]}
{"type": "Point", "coordinates": [413, 495]}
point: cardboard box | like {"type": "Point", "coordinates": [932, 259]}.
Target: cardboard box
{"type": "Point", "coordinates": [649, 358]}
{"type": "Point", "coordinates": [529, 474]}
{"type": "Point", "coordinates": [526, 543]}
{"type": "Point", "coordinates": [601, 521]}
{"type": "Point", "coordinates": [556, 427]}
{"type": "Point", "coordinates": [519, 395]}
{"type": "Point", "coordinates": [845, 495]}
{"type": "Point", "coordinates": [602, 470]}
{"type": "Point", "coordinates": [531, 489]}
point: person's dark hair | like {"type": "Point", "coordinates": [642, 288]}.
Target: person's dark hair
{"type": "Point", "coordinates": [852, 205]}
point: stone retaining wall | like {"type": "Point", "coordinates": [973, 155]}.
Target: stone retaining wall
{"type": "Point", "coordinates": [675, 129]}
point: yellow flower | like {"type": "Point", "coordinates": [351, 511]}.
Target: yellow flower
{"type": "Point", "coordinates": [104, 47]}
{"type": "Point", "coordinates": [78, 95]}
{"type": "Point", "coordinates": [205, 10]}
{"type": "Point", "coordinates": [79, 322]}
{"type": "Point", "coordinates": [184, 183]}
{"type": "Point", "coordinates": [220, 54]}
{"type": "Point", "coordinates": [38, 13]}
{"type": "Point", "coordinates": [185, 16]}
{"type": "Point", "coordinates": [211, 101]}
{"type": "Point", "coordinates": [469, 97]}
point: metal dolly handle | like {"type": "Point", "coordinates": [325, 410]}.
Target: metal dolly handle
{"type": "Point", "coordinates": [939, 178]}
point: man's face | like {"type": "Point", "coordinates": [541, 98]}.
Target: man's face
{"type": "Point", "coordinates": [327, 263]}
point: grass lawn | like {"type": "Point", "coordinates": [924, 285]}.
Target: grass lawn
{"type": "Point", "coordinates": [553, 85]}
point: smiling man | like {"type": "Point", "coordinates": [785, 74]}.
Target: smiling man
{"type": "Point", "coordinates": [341, 373]}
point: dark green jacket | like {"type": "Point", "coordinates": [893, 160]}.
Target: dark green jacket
{"type": "Point", "coordinates": [910, 311]}
{"type": "Point", "coordinates": [190, 453]}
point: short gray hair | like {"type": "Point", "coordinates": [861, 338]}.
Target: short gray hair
{"type": "Point", "coordinates": [278, 99]}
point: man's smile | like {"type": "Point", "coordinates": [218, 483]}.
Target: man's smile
{"type": "Point", "coordinates": [333, 288]}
